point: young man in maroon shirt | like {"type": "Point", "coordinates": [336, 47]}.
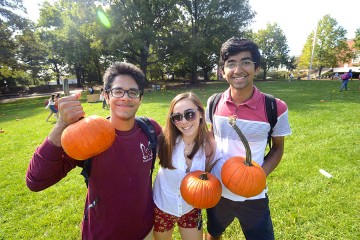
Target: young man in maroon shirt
{"type": "Point", "coordinates": [119, 203]}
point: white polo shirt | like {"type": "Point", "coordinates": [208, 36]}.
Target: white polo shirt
{"type": "Point", "coordinates": [252, 120]}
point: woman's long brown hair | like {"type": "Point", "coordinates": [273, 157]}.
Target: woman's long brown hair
{"type": "Point", "coordinates": [167, 140]}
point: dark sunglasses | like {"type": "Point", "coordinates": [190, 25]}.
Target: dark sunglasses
{"type": "Point", "coordinates": [189, 115]}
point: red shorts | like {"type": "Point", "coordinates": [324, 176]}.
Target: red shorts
{"type": "Point", "coordinates": [165, 222]}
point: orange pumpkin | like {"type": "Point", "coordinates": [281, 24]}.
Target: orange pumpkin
{"type": "Point", "coordinates": [87, 137]}
{"type": "Point", "coordinates": [201, 189]}
{"type": "Point", "coordinates": [241, 175]}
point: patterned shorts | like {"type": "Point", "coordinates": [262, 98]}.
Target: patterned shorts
{"type": "Point", "coordinates": [165, 222]}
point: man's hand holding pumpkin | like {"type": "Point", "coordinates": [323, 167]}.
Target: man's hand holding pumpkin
{"type": "Point", "coordinates": [71, 111]}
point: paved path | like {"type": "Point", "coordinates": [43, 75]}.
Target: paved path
{"type": "Point", "coordinates": [35, 95]}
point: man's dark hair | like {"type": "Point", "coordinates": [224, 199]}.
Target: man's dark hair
{"type": "Point", "coordinates": [123, 68]}
{"type": "Point", "coordinates": [234, 46]}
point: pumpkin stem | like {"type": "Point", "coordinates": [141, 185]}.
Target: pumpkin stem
{"type": "Point", "coordinates": [203, 176]}
{"type": "Point", "coordinates": [209, 166]}
{"type": "Point", "coordinates": [232, 122]}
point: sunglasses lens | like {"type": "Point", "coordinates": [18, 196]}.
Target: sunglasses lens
{"type": "Point", "coordinates": [176, 118]}
{"type": "Point", "coordinates": [190, 115]}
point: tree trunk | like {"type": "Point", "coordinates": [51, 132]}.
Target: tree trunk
{"type": "Point", "coordinates": [57, 72]}
{"type": "Point", "coordinates": [193, 79]}
{"type": "Point", "coordinates": [144, 55]}
{"type": "Point", "coordinates": [264, 75]}
{"type": "Point", "coordinates": [97, 64]}
{"type": "Point", "coordinates": [320, 70]}
{"type": "Point", "coordinates": [78, 75]}
{"type": "Point", "coordinates": [206, 74]}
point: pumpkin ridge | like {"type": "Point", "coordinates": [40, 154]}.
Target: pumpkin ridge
{"type": "Point", "coordinates": [87, 137]}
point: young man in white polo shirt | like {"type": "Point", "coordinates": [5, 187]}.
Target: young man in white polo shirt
{"type": "Point", "coordinates": [239, 62]}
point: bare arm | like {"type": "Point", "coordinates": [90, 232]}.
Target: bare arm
{"type": "Point", "coordinates": [273, 158]}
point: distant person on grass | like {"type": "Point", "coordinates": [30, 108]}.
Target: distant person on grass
{"type": "Point", "coordinates": [345, 79]}
{"type": "Point", "coordinates": [240, 62]}
{"type": "Point", "coordinates": [119, 202]}
{"type": "Point", "coordinates": [185, 146]}
{"type": "Point", "coordinates": [52, 106]}
{"type": "Point", "coordinates": [57, 97]}
{"type": "Point", "coordinates": [103, 99]}
{"type": "Point", "coordinates": [91, 90]}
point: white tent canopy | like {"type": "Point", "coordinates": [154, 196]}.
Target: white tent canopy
{"type": "Point", "coordinates": [346, 69]}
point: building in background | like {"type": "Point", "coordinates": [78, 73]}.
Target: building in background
{"type": "Point", "coordinates": [354, 64]}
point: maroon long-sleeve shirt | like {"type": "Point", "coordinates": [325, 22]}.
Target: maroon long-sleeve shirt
{"type": "Point", "coordinates": [119, 189]}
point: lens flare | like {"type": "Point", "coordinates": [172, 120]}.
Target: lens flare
{"type": "Point", "coordinates": [103, 19]}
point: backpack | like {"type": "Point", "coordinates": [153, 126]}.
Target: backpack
{"type": "Point", "coordinates": [344, 76]}
{"type": "Point", "coordinates": [148, 129]}
{"type": "Point", "coordinates": [270, 105]}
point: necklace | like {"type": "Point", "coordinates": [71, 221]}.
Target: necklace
{"type": "Point", "coordinates": [188, 161]}
{"type": "Point", "coordinates": [188, 148]}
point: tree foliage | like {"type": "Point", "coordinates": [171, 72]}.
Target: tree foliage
{"type": "Point", "coordinates": [206, 25]}
{"type": "Point", "coordinates": [273, 47]}
{"type": "Point", "coordinates": [177, 39]}
{"type": "Point", "coordinates": [11, 23]}
{"type": "Point", "coordinates": [70, 27]}
{"type": "Point", "coordinates": [140, 29]}
{"type": "Point", "coordinates": [32, 53]}
{"type": "Point", "coordinates": [357, 39]}
{"type": "Point", "coordinates": [330, 46]}
{"type": "Point", "coordinates": [164, 36]}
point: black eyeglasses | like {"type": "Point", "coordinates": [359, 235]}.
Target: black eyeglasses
{"type": "Point", "coordinates": [189, 115]}
{"type": "Point", "coordinates": [242, 64]}
{"type": "Point", "coordinates": [119, 92]}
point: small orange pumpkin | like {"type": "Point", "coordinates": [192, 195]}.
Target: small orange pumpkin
{"type": "Point", "coordinates": [201, 189]}
{"type": "Point", "coordinates": [87, 137]}
{"type": "Point", "coordinates": [241, 175]}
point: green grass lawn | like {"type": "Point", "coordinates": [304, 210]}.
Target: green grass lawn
{"type": "Point", "coordinates": [304, 203]}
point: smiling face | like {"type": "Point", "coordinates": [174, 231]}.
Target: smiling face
{"type": "Point", "coordinates": [241, 77]}
{"type": "Point", "coordinates": [188, 129]}
{"type": "Point", "coordinates": [123, 108]}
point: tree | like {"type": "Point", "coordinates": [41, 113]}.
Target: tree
{"type": "Point", "coordinates": [70, 27]}
{"type": "Point", "coordinates": [273, 48]}
{"type": "Point", "coordinates": [140, 30]}
{"type": "Point", "coordinates": [48, 30]}
{"type": "Point", "coordinates": [32, 53]}
{"type": "Point", "coordinates": [11, 23]}
{"type": "Point", "coordinates": [357, 39]}
{"type": "Point", "coordinates": [330, 46]}
{"type": "Point", "coordinates": [208, 23]}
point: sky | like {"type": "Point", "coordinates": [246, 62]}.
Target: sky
{"type": "Point", "coordinates": [296, 18]}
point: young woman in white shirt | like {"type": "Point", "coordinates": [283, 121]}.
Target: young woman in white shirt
{"type": "Point", "coordinates": [186, 145]}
